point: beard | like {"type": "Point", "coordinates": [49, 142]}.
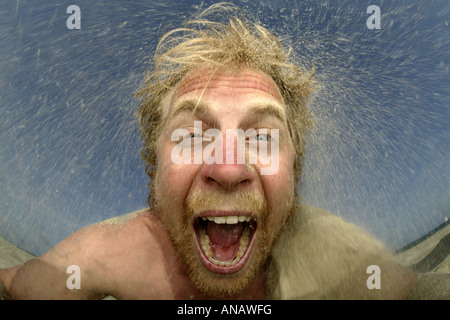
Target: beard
{"type": "Point", "coordinates": [267, 229]}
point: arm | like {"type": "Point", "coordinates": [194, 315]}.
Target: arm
{"type": "Point", "coordinates": [45, 277]}
{"type": "Point", "coordinates": [5, 278]}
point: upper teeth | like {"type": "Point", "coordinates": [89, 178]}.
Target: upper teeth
{"type": "Point", "coordinates": [228, 219]}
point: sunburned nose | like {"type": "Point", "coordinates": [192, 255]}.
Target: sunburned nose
{"type": "Point", "coordinates": [229, 177]}
{"type": "Point", "coordinates": [231, 172]}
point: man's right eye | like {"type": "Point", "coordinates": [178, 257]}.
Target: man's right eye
{"type": "Point", "coordinates": [193, 135]}
{"type": "Point", "coordinates": [262, 137]}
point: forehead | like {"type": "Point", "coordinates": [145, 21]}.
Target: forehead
{"type": "Point", "coordinates": [244, 81]}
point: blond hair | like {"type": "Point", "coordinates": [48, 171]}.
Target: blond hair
{"type": "Point", "coordinates": [201, 43]}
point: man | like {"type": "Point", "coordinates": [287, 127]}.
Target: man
{"type": "Point", "coordinates": [223, 118]}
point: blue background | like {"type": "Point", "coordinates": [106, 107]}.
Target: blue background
{"type": "Point", "coordinates": [70, 143]}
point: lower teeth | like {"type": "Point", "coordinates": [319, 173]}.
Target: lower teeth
{"type": "Point", "coordinates": [206, 247]}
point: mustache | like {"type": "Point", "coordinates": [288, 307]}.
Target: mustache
{"type": "Point", "coordinates": [204, 200]}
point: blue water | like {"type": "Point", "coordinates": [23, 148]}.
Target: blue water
{"type": "Point", "coordinates": [69, 139]}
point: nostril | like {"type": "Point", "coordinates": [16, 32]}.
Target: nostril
{"type": "Point", "coordinates": [227, 176]}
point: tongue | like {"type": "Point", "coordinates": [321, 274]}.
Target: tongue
{"type": "Point", "coordinates": [224, 235]}
{"type": "Point", "coordinates": [224, 239]}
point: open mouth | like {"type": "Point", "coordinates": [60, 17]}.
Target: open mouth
{"type": "Point", "coordinates": [224, 240]}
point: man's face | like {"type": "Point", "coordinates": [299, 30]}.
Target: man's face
{"type": "Point", "coordinates": [224, 214]}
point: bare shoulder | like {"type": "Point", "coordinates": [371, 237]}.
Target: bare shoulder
{"type": "Point", "coordinates": [115, 233]}
{"type": "Point", "coordinates": [113, 250]}
{"type": "Point", "coordinates": [99, 255]}
{"type": "Point", "coordinates": [132, 257]}
{"type": "Point", "coordinates": [104, 239]}
{"type": "Point", "coordinates": [126, 242]}
{"type": "Point", "coordinates": [127, 257]}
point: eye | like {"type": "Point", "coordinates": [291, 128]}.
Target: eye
{"type": "Point", "coordinates": [193, 135]}
{"type": "Point", "coordinates": [261, 136]}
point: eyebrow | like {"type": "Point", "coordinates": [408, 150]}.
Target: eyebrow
{"type": "Point", "coordinates": [264, 108]}
{"type": "Point", "coordinates": [258, 108]}
{"type": "Point", "coordinates": [196, 107]}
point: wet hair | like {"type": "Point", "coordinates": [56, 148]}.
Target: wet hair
{"type": "Point", "coordinates": [205, 41]}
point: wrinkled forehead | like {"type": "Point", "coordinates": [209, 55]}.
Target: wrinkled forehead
{"type": "Point", "coordinates": [237, 80]}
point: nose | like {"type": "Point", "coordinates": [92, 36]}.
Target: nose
{"type": "Point", "coordinates": [228, 175]}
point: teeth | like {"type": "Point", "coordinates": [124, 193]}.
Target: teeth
{"type": "Point", "coordinates": [206, 247]}
{"type": "Point", "coordinates": [227, 219]}
{"type": "Point", "coordinates": [206, 244]}
{"type": "Point", "coordinates": [218, 220]}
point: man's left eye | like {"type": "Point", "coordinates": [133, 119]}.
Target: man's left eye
{"type": "Point", "coordinates": [261, 137]}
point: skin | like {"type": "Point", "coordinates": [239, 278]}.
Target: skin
{"type": "Point", "coordinates": [136, 258]}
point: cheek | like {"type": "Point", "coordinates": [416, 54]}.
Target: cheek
{"type": "Point", "coordinates": [280, 193]}
{"type": "Point", "coordinates": [172, 181]}
{"type": "Point", "coordinates": [279, 188]}
{"type": "Point", "coordinates": [164, 175]}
